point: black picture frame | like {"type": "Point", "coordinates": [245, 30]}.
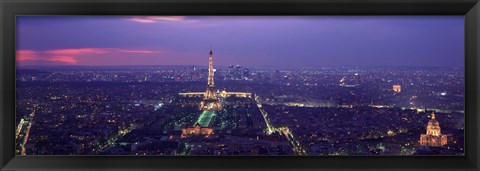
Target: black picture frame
{"type": "Point", "coordinates": [11, 8]}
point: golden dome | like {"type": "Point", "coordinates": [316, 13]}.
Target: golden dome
{"type": "Point", "coordinates": [433, 122]}
{"type": "Point", "coordinates": [433, 127]}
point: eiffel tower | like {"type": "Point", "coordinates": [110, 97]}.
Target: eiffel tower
{"type": "Point", "coordinates": [210, 100]}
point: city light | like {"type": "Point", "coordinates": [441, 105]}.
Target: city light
{"type": "Point", "coordinates": [274, 86]}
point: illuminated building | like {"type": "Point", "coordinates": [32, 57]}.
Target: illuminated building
{"type": "Point", "coordinates": [237, 73]}
{"type": "Point", "coordinates": [397, 88]}
{"type": "Point", "coordinates": [196, 130]}
{"type": "Point", "coordinates": [433, 137]}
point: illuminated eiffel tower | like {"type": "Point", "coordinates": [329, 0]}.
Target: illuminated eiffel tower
{"type": "Point", "coordinates": [210, 100]}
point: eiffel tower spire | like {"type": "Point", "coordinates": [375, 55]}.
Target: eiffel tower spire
{"type": "Point", "coordinates": [210, 69]}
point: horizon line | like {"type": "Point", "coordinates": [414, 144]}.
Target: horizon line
{"type": "Point", "coordinates": [189, 65]}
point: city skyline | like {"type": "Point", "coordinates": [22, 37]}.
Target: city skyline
{"type": "Point", "coordinates": [276, 86]}
{"type": "Point", "coordinates": [287, 41]}
{"type": "Point", "coordinates": [381, 120]}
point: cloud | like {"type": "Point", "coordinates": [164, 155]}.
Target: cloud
{"type": "Point", "coordinates": [64, 59]}
{"type": "Point", "coordinates": [23, 55]}
{"type": "Point", "coordinates": [71, 56]}
{"type": "Point", "coordinates": [154, 19]}
{"type": "Point", "coordinates": [78, 51]}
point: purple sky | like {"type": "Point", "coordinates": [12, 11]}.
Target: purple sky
{"type": "Point", "coordinates": [288, 41]}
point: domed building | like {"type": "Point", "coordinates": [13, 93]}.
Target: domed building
{"type": "Point", "coordinates": [434, 136]}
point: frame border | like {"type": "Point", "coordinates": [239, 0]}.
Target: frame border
{"type": "Point", "coordinates": [11, 8]}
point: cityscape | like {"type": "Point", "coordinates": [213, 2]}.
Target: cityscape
{"type": "Point", "coordinates": [65, 107]}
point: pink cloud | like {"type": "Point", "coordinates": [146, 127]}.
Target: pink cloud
{"type": "Point", "coordinates": [154, 19]}
{"type": "Point", "coordinates": [72, 56]}
{"type": "Point", "coordinates": [23, 55]}
{"type": "Point", "coordinates": [64, 59]}
{"type": "Point", "coordinates": [77, 51]}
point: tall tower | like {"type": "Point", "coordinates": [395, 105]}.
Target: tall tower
{"type": "Point", "coordinates": [210, 100]}
{"type": "Point", "coordinates": [210, 69]}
